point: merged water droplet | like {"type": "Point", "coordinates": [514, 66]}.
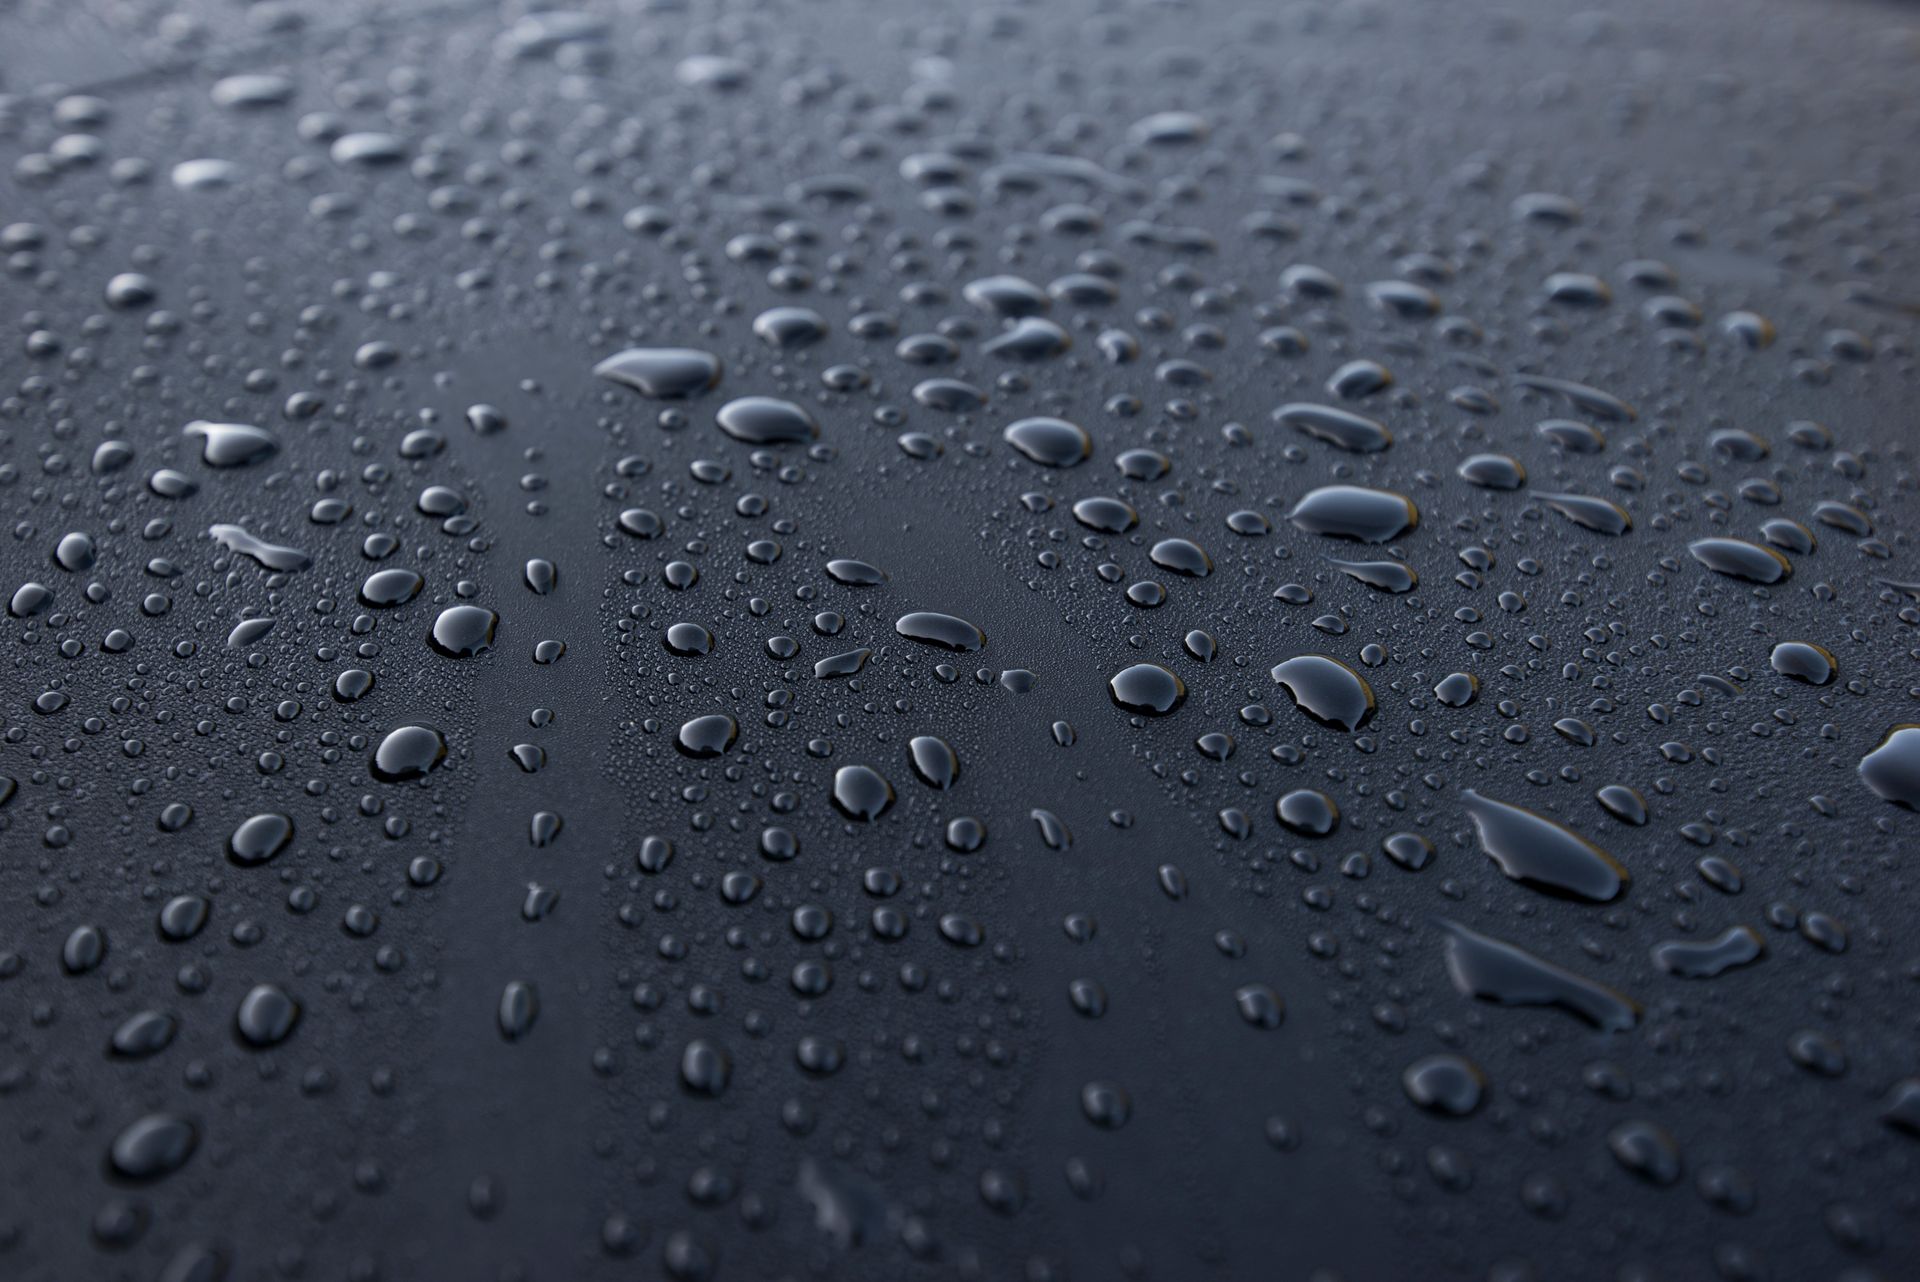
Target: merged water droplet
{"type": "Point", "coordinates": [1537, 852]}
{"type": "Point", "coordinates": [232, 444]}
{"type": "Point", "coordinates": [1495, 971]}
{"type": "Point", "coordinates": [235, 538]}
{"type": "Point", "coordinates": [1704, 959]}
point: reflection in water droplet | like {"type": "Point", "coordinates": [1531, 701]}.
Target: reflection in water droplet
{"type": "Point", "coordinates": [1623, 803]}
{"type": "Point", "coordinates": [1182, 557]}
{"type": "Point", "coordinates": [267, 1016]}
{"type": "Point", "coordinates": [857, 574]}
{"type": "Point", "coordinates": [1457, 690]}
{"type": "Point", "coordinates": [1109, 516]}
{"type": "Point", "coordinates": [1260, 1006]}
{"type": "Point", "coordinates": [1646, 1150]}
{"type": "Point", "coordinates": [519, 1009]}
{"type": "Point", "coordinates": [153, 1147]}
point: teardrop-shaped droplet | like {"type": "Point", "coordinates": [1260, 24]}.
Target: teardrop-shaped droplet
{"type": "Point", "coordinates": [934, 760]}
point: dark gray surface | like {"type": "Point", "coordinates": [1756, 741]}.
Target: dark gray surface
{"type": "Point", "coordinates": [1765, 153]}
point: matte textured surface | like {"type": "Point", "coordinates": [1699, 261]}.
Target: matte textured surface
{"type": "Point", "coordinates": [389, 889]}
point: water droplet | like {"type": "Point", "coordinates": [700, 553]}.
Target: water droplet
{"type": "Point", "coordinates": [764, 420]}
{"type": "Point", "coordinates": [1739, 559]}
{"type": "Point", "coordinates": [707, 736]}
{"type": "Point", "coordinates": [407, 753]}
{"type": "Point", "coordinates": [1327, 690]}
{"type": "Point", "coordinates": [1495, 971]}
{"type": "Point", "coordinates": [1353, 512]}
{"type": "Point", "coordinates": [1342, 429]}
{"type": "Point", "coordinates": [153, 1147]}
{"type": "Point", "coordinates": [944, 631]}
{"type": "Point", "coordinates": [259, 839]}
{"type": "Point", "coordinates": [1735, 946]}
{"type": "Point", "coordinates": [463, 631]}
{"type": "Point", "coordinates": [267, 1016]}
{"type": "Point", "coordinates": [663, 373]}
{"type": "Point", "coordinates": [232, 444]}
{"type": "Point", "coordinates": [859, 792]}
{"type": "Point", "coordinates": [1445, 1085]}
{"type": "Point", "coordinates": [1050, 442]}
{"type": "Point", "coordinates": [1892, 770]}
{"type": "Point", "coordinates": [1148, 689]}
{"type": "Point", "coordinates": [1537, 852]}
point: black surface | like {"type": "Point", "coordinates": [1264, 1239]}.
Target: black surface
{"type": "Point", "coordinates": [639, 1078]}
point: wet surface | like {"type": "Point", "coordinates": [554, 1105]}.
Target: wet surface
{"type": "Point", "coordinates": [1056, 642]}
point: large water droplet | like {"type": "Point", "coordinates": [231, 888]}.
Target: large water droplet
{"type": "Point", "coordinates": [1537, 852]}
